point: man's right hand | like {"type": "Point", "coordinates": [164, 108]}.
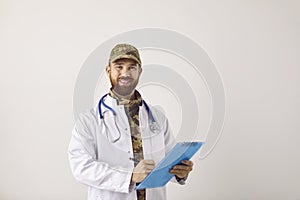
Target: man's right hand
{"type": "Point", "coordinates": [142, 170]}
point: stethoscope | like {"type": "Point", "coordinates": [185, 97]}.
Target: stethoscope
{"type": "Point", "coordinates": [153, 125]}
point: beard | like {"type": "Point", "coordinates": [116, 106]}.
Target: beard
{"type": "Point", "coordinates": [123, 86]}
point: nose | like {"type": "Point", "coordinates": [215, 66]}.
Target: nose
{"type": "Point", "coordinates": [125, 72]}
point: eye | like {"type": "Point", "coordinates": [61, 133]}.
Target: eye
{"type": "Point", "coordinates": [118, 66]}
{"type": "Point", "coordinates": [133, 67]}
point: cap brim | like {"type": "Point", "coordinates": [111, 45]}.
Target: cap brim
{"type": "Point", "coordinates": [126, 56]}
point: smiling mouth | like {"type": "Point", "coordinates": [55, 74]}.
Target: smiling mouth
{"type": "Point", "coordinates": [124, 81]}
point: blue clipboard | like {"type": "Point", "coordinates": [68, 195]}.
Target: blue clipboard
{"type": "Point", "coordinates": [160, 175]}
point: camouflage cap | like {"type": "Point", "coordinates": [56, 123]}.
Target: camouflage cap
{"type": "Point", "coordinates": [124, 51]}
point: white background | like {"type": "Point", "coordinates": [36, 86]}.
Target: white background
{"type": "Point", "coordinates": [254, 44]}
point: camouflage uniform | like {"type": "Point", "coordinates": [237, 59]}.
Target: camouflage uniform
{"type": "Point", "coordinates": [132, 111]}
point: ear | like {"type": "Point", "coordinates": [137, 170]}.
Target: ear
{"type": "Point", "coordinates": [140, 71]}
{"type": "Point", "coordinates": [108, 70]}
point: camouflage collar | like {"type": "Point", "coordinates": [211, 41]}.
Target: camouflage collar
{"type": "Point", "coordinates": [136, 98]}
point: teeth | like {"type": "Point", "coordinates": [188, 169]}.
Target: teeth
{"type": "Point", "coordinates": [124, 81]}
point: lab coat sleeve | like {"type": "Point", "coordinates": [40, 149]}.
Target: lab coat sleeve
{"type": "Point", "coordinates": [83, 160]}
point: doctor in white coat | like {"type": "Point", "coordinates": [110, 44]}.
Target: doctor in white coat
{"type": "Point", "coordinates": [101, 151]}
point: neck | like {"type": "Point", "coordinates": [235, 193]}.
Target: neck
{"type": "Point", "coordinates": [122, 96]}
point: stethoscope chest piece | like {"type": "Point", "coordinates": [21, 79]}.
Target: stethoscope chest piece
{"type": "Point", "coordinates": [154, 127]}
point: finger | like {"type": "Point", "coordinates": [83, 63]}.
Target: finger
{"type": "Point", "coordinates": [149, 162]}
{"type": "Point", "coordinates": [179, 173]}
{"type": "Point", "coordinates": [183, 167]}
{"type": "Point", "coordinates": [181, 170]}
{"type": "Point", "coordinates": [187, 162]}
{"type": "Point", "coordinates": [144, 172]}
{"type": "Point", "coordinates": [149, 167]}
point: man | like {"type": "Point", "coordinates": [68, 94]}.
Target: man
{"type": "Point", "coordinates": [113, 147]}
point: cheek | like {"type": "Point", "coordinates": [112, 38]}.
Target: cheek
{"type": "Point", "coordinates": [114, 75]}
{"type": "Point", "coordinates": [135, 75]}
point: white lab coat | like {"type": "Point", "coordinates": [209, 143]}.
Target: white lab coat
{"type": "Point", "coordinates": [106, 166]}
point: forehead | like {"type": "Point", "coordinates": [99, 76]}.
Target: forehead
{"type": "Point", "coordinates": [124, 61]}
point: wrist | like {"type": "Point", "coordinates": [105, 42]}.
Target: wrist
{"type": "Point", "coordinates": [181, 181]}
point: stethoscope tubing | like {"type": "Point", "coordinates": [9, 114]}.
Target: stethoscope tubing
{"type": "Point", "coordinates": [114, 112]}
{"type": "Point", "coordinates": [153, 125]}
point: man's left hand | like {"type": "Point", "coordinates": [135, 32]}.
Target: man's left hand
{"type": "Point", "coordinates": [181, 171]}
